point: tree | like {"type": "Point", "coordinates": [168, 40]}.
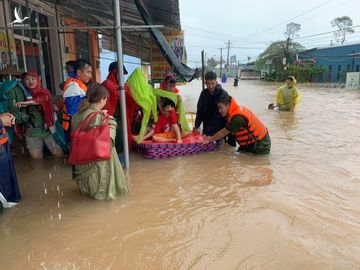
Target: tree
{"type": "Point", "coordinates": [212, 63]}
{"type": "Point", "coordinates": [343, 24]}
{"type": "Point", "coordinates": [277, 51]}
{"type": "Point", "coordinates": [274, 54]}
{"type": "Point", "coordinates": [292, 29]}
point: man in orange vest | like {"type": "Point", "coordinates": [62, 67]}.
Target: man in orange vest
{"type": "Point", "coordinates": [250, 133]}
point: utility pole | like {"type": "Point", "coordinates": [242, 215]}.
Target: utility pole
{"type": "Point", "coordinates": [205, 58]}
{"type": "Point", "coordinates": [121, 80]}
{"type": "Point", "coordinates": [228, 55]}
{"type": "Point", "coordinates": [203, 69]}
{"type": "Point", "coordinates": [221, 60]}
{"type": "Point", "coordinates": [287, 53]}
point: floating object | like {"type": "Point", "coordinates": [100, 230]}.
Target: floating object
{"type": "Point", "coordinates": [192, 144]}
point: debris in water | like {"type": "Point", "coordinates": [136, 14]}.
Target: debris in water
{"type": "Point", "coordinates": [50, 176]}
{"type": "Point", "coordinates": [43, 265]}
{"type": "Point", "coordinates": [59, 216]}
{"type": "Point", "coordinates": [45, 190]}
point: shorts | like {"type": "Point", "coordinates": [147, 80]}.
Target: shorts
{"type": "Point", "coordinates": [167, 135]}
{"type": "Point", "coordinates": [38, 143]}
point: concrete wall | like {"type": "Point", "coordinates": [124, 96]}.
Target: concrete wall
{"type": "Point", "coordinates": [336, 61]}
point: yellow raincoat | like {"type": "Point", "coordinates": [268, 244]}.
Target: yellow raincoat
{"type": "Point", "coordinates": [288, 97]}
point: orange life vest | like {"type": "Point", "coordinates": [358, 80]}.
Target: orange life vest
{"type": "Point", "coordinates": [255, 131]}
{"type": "Point", "coordinates": [66, 118]}
{"type": "Point", "coordinates": [3, 137]}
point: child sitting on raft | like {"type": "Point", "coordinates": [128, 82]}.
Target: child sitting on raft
{"type": "Point", "coordinates": [166, 129]}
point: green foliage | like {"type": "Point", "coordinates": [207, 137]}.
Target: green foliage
{"type": "Point", "coordinates": [212, 63]}
{"type": "Point", "coordinates": [307, 73]}
{"type": "Point", "coordinates": [302, 74]}
{"type": "Point", "coordinates": [343, 76]}
{"type": "Point", "coordinates": [277, 51]}
{"type": "Point", "coordinates": [292, 29]}
{"type": "Point", "coordinates": [343, 24]}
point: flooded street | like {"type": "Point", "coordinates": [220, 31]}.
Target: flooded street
{"type": "Point", "coordinates": [297, 208]}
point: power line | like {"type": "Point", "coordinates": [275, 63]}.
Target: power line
{"type": "Point", "coordinates": [327, 10]}
{"type": "Point", "coordinates": [344, 3]}
{"type": "Point", "coordinates": [217, 33]}
{"type": "Point", "coordinates": [324, 33]}
{"type": "Point", "coordinates": [280, 24]}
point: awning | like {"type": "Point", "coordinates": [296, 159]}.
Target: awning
{"type": "Point", "coordinates": [184, 71]}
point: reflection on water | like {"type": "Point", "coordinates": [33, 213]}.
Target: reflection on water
{"type": "Point", "coordinates": [295, 209]}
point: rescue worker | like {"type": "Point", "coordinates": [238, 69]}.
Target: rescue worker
{"type": "Point", "coordinates": [250, 133]}
{"type": "Point", "coordinates": [288, 96]}
{"type": "Point", "coordinates": [75, 91]}
{"type": "Point", "coordinates": [207, 112]}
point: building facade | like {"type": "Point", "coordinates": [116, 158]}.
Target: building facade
{"type": "Point", "coordinates": [44, 50]}
{"type": "Point", "coordinates": [54, 32]}
{"type": "Point", "coordinates": [335, 60]}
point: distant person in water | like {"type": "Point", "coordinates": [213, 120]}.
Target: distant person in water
{"type": "Point", "coordinates": [287, 97]}
{"type": "Point", "coordinates": [236, 81]}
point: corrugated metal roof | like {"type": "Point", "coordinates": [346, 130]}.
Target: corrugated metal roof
{"type": "Point", "coordinates": [136, 42]}
{"type": "Point", "coordinates": [334, 46]}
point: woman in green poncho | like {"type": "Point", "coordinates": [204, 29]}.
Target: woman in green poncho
{"type": "Point", "coordinates": [102, 180]}
{"type": "Point", "coordinates": [288, 96]}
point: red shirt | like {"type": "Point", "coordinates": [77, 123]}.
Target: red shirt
{"type": "Point", "coordinates": [165, 121]}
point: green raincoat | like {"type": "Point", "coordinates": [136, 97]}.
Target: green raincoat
{"type": "Point", "coordinates": [102, 180]}
{"type": "Point", "coordinates": [146, 96]}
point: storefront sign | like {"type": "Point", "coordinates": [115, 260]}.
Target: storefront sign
{"type": "Point", "coordinates": [159, 65]}
{"type": "Point", "coordinates": [6, 55]}
{"type": "Point", "coordinates": [352, 80]}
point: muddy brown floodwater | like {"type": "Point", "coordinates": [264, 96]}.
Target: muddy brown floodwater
{"type": "Point", "coordinates": [298, 208]}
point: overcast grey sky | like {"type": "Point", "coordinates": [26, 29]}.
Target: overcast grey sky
{"type": "Point", "coordinates": [208, 24]}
